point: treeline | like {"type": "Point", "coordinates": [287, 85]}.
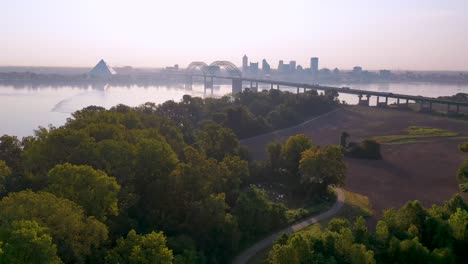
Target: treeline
{"type": "Point", "coordinates": [411, 234]}
{"type": "Point", "coordinates": [462, 173]}
{"type": "Point", "coordinates": [163, 183]}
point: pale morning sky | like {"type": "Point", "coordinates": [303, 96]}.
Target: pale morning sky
{"type": "Point", "coordinates": [392, 34]}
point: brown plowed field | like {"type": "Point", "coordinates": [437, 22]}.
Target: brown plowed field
{"type": "Point", "coordinates": [424, 171]}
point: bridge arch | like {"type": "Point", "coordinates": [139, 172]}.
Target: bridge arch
{"type": "Point", "coordinates": [197, 66]}
{"type": "Point", "coordinates": [228, 66]}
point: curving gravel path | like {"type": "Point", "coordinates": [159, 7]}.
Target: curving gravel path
{"type": "Point", "coordinates": [253, 250]}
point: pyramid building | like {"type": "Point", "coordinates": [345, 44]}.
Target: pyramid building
{"type": "Point", "coordinates": [102, 70]}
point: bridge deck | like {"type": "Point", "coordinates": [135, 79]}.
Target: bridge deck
{"type": "Point", "coordinates": [338, 89]}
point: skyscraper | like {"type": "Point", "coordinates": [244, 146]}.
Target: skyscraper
{"type": "Point", "coordinates": [314, 64]}
{"type": "Point", "coordinates": [245, 63]}
{"type": "Point", "coordinates": [265, 66]}
{"type": "Point", "coordinates": [292, 65]}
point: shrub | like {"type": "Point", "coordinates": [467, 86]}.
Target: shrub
{"type": "Point", "coordinates": [368, 149]}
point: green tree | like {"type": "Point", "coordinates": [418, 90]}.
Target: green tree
{"type": "Point", "coordinates": [142, 249]}
{"type": "Point", "coordinates": [54, 147]}
{"type": "Point", "coordinates": [92, 189]}
{"type": "Point", "coordinates": [237, 171]}
{"type": "Point", "coordinates": [274, 155]}
{"type": "Point", "coordinates": [155, 160]}
{"type": "Point", "coordinates": [217, 141]}
{"type": "Point", "coordinates": [73, 233]}
{"type": "Point", "coordinates": [409, 251]}
{"type": "Point", "coordinates": [462, 176]}
{"type": "Point", "coordinates": [5, 172]}
{"type": "Point", "coordinates": [10, 151]}
{"type": "Point", "coordinates": [291, 153]}
{"type": "Point", "coordinates": [27, 242]}
{"type": "Point", "coordinates": [458, 221]}
{"type": "Point", "coordinates": [257, 215]}
{"type": "Point", "coordinates": [463, 147]}
{"type": "Point", "coordinates": [322, 167]}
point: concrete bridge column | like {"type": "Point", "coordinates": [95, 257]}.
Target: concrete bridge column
{"type": "Point", "coordinates": [382, 104]}
{"type": "Point", "coordinates": [453, 112]}
{"type": "Point", "coordinates": [271, 88]}
{"type": "Point", "coordinates": [277, 86]}
{"type": "Point", "coordinates": [364, 102]}
{"type": "Point", "coordinates": [236, 86]}
{"type": "Point", "coordinates": [208, 82]}
{"type": "Point", "coordinates": [424, 108]}
{"type": "Point", "coordinates": [188, 82]}
{"type": "Point", "coordinates": [297, 91]}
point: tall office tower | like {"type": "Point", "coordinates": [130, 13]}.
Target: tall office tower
{"type": "Point", "coordinates": [245, 63]}
{"type": "Point", "coordinates": [265, 67]}
{"type": "Point", "coordinates": [314, 64]}
{"type": "Point", "coordinates": [292, 65]}
{"type": "Point", "coordinates": [280, 66]}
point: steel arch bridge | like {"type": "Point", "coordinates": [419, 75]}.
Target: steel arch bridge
{"type": "Point", "coordinates": [230, 68]}
{"type": "Point", "coordinates": [197, 66]}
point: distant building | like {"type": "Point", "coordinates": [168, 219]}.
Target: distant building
{"type": "Point", "coordinates": [245, 63]}
{"type": "Point", "coordinates": [102, 70]}
{"type": "Point", "coordinates": [385, 74]}
{"type": "Point", "coordinates": [284, 68]}
{"type": "Point", "coordinates": [280, 65]}
{"type": "Point", "coordinates": [174, 68]}
{"type": "Point", "coordinates": [253, 67]}
{"type": "Point", "coordinates": [292, 66]}
{"type": "Point", "coordinates": [357, 70]}
{"type": "Point", "coordinates": [265, 67]}
{"type": "Point", "coordinates": [314, 64]}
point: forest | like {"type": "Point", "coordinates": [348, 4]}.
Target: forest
{"type": "Point", "coordinates": [165, 183]}
{"type": "Point", "coordinates": [410, 234]}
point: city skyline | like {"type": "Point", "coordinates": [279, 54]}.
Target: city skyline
{"type": "Point", "coordinates": [395, 35]}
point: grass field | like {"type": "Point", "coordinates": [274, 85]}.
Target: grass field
{"type": "Point", "coordinates": [414, 134]}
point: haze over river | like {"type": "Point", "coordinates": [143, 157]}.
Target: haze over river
{"type": "Point", "coordinates": [23, 109]}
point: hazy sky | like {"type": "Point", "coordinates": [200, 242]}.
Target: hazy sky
{"type": "Point", "coordinates": [376, 34]}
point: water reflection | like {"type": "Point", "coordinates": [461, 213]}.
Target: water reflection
{"type": "Point", "coordinates": [25, 106]}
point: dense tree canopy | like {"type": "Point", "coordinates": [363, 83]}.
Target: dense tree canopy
{"type": "Point", "coordinates": [145, 249]}
{"type": "Point", "coordinates": [462, 173]}
{"type": "Point", "coordinates": [92, 189]}
{"type": "Point", "coordinates": [72, 231]}
{"type": "Point", "coordinates": [5, 172]}
{"type": "Point", "coordinates": [26, 242]}
{"type": "Point", "coordinates": [411, 234]}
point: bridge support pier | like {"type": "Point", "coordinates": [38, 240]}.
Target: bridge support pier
{"type": "Point", "coordinates": [451, 112]}
{"type": "Point", "coordinates": [188, 82]}
{"type": "Point", "coordinates": [424, 108]}
{"type": "Point", "coordinates": [236, 86]}
{"type": "Point", "coordinates": [382, 104]}
{"type": "Point", "coordinates": [363, 102]}
{"type": "Point", "coordinates": [208, 82]}
{"type": "Point", "coordinates": [277, 86]}
{"type": "Point", "coordinates": [297, 90]}
{"type": "Point", "coordinates": [254, 88]}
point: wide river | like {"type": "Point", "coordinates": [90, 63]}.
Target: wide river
{"type": "Point", "coordinates": [23, 109]}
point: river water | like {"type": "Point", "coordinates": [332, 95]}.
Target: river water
{"type": "Point", "coordinates": [25, 108]}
